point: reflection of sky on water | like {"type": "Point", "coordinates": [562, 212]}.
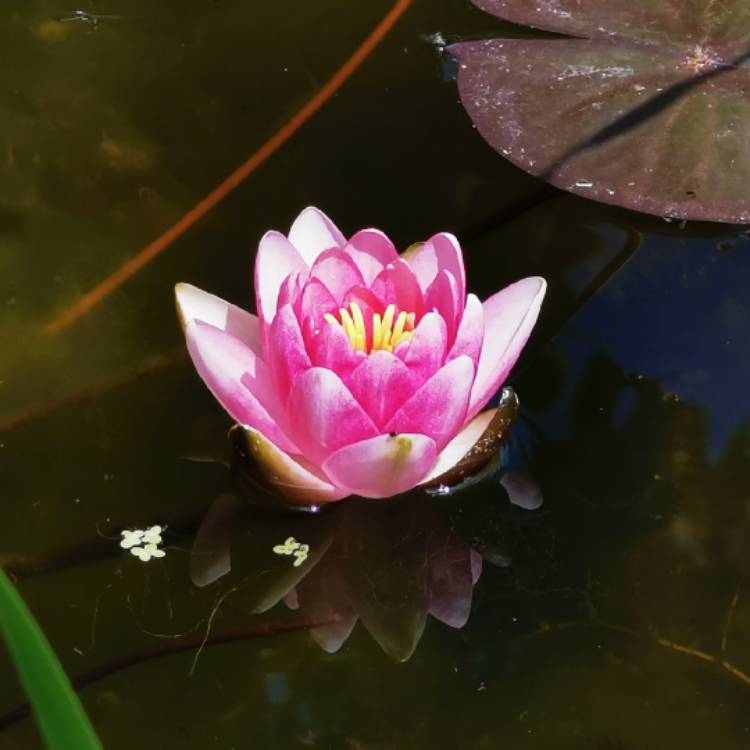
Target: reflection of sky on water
{"type": "Point", "coordinates": [678, 312]}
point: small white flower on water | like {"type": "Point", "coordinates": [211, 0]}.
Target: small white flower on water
{"type": "Point", "coordinates": [143, 543]}
{"type": "Point", "coordinates": [130, 538]}
{"type": "Point", "coordinates": [292, 547]}
{"type": "Point", "coordinates": [152, 535]}
{"type": "Point", "coordinates": [288, 548]}
{"type": "Point", "coordinates": [146, 553]}
{"type": "Point", "coordinates": [300, 555]}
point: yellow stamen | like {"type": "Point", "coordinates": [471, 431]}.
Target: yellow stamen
{"type": "Point", "coordinates": [377, 331]}
{"type": "Point", "coordinates": [348, 323]}
{"type": "Point", "coordinates": [360, 334]}
{"type": "Point", "coordinates": [385, 341]}
{"type": "Point", "coordinates": [385, 335]}
{"type": "Point", "coordinates": [398, 330]}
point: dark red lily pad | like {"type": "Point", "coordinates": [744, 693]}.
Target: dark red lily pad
{"type": "Point", "coordinates": [648, 109]}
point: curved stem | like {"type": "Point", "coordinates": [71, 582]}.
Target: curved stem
{"type": "Point", "coordinates": [175, 647]}
{"type": "Point", "coordinates": [131, 267]}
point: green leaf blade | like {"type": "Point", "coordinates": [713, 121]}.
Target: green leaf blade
{"type": "Point", "coordinates": [59, 713]}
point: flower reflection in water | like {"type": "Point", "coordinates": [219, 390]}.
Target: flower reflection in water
{"type": "Point", "coordinates": [388, 564]}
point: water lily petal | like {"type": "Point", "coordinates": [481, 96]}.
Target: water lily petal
{"type": "Point", "coordinates": [313, 232]}
{"type": "Point", "coordinates": [286, 353]}
{"type": "Point", "coordinates": [333, 636]}
{"type": "Point", "coordinates": [426, 352]}
{"type": "Point", "coordinates": [523, 490]}
{"type": "Point", "coordinates": [397, 285]}
{"type": "Point", "coordinates": [239, 380]}
{"type": "Point", "coordinates": [292, 478]}
{"type": "Point", "coordinates": [381, 384]}
{"type": "Point", "coordinates": [330, 348]}
{"type": "Point", "coordinates": [461, 444]}
{"type": "Point", "coordinates": [442, 251]}
{"type": "Point", "coordinates": [291, 291]}
{"type": "Point", "coordinates": [382, 466]}
{"type": "Point", "coordinates": [367, 301]}
{"type": "Point", "coordinates": [470, 331]}
{"type": "Point", "coordinates": [371, 250]}
{"type": "Point", "coordinates": [476, 566]}
{"type": "Point", "coordinates": [509, 317]}
{"type": "Point", "coordinates": [338, 272]}
{"type": "Point", "coordinates": [195, 304]}
{"type": "Point", "coordinates": [276, 259]}
{"type": "Point", "coordinates": [450, 582]}
{"type": "Point", "coordinates": [438, 408]}
{"type": "Point", "coordinates": [315, 302]}
{"type": "Point", "coordinates": [442, 297]}
{"type": "Point", "coordinates": [324, 415]}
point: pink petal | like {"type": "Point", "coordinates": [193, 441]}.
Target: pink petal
{"type": "Point", "coordinates": [332, 637]}
{"type": "Point", "coordinates": [450, 582]}
{"type": "Point", "coordinates": [442, 296]}
{"type": "Point", "coordinates": [291, 478]}
{"type": "Point", "coordinates": [381, 383]}
{"type": "Point", "coordinates": [438, 408]}
{"type": "Point", "coordinates": [522, 490]}
{"type": "Point", "coordinates": [426, 352]}
{"type": "Point", "coordinates": [397, 285]}
{"type": "Point", "coordinates": [338, 272]}
{"type": "Point", "coordinates": [461, 444]}
{"type": "Point", "coordinates": [368, 302]}
{"type": "Point", "coordinates": [331, 348]}
{"type": "Point", "coordinates": [440, 251]}
{"type": "Point", "coordinates": [325, 416]}
{"type": "Point", "coordinates": [476, 566]}
{"type": "Point", "coordinates": [470, 331]}
{"type": "Point", "coordinates": [509, 317]}
{"type": "Point", "coordinates": [285, 351]}
{"type": "Point", "coordinates": [371, 250]}
{"type": "Point", "coordinates": [195, 304]}
{"type": "Point", "coordinates": [315, 302]}
{"type": "Point", "coordinates": [291, 290]}
{"type": "Point", "coordinates": [382, 466]}
{"type": "Point", "coordinates": [276, 259]}
{"type": "Point", "coordinates": [239, 380]}
{"type": "Point", "coordinates": [313, 232]}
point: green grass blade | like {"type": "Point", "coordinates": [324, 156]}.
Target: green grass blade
{"type": "Point", "coordinates": [58, 711]}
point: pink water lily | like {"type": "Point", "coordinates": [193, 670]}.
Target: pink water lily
{"type": "Point", "coordinates": [365, 371]}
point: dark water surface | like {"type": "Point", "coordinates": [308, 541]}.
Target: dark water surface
{"type": "Point", "coordinates": [614, 616]}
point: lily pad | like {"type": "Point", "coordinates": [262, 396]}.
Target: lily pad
{"type": "Point", "coordinates": [648, 108]}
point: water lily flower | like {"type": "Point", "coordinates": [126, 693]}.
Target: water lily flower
{"type": "Point", "coordinates": [365, 372]}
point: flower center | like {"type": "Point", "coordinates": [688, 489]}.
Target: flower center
{"type": "Point", "coordinates": [384, 332]}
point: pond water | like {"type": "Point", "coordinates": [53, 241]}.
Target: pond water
{"type": "Point", "coordinates": [615, 615]}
